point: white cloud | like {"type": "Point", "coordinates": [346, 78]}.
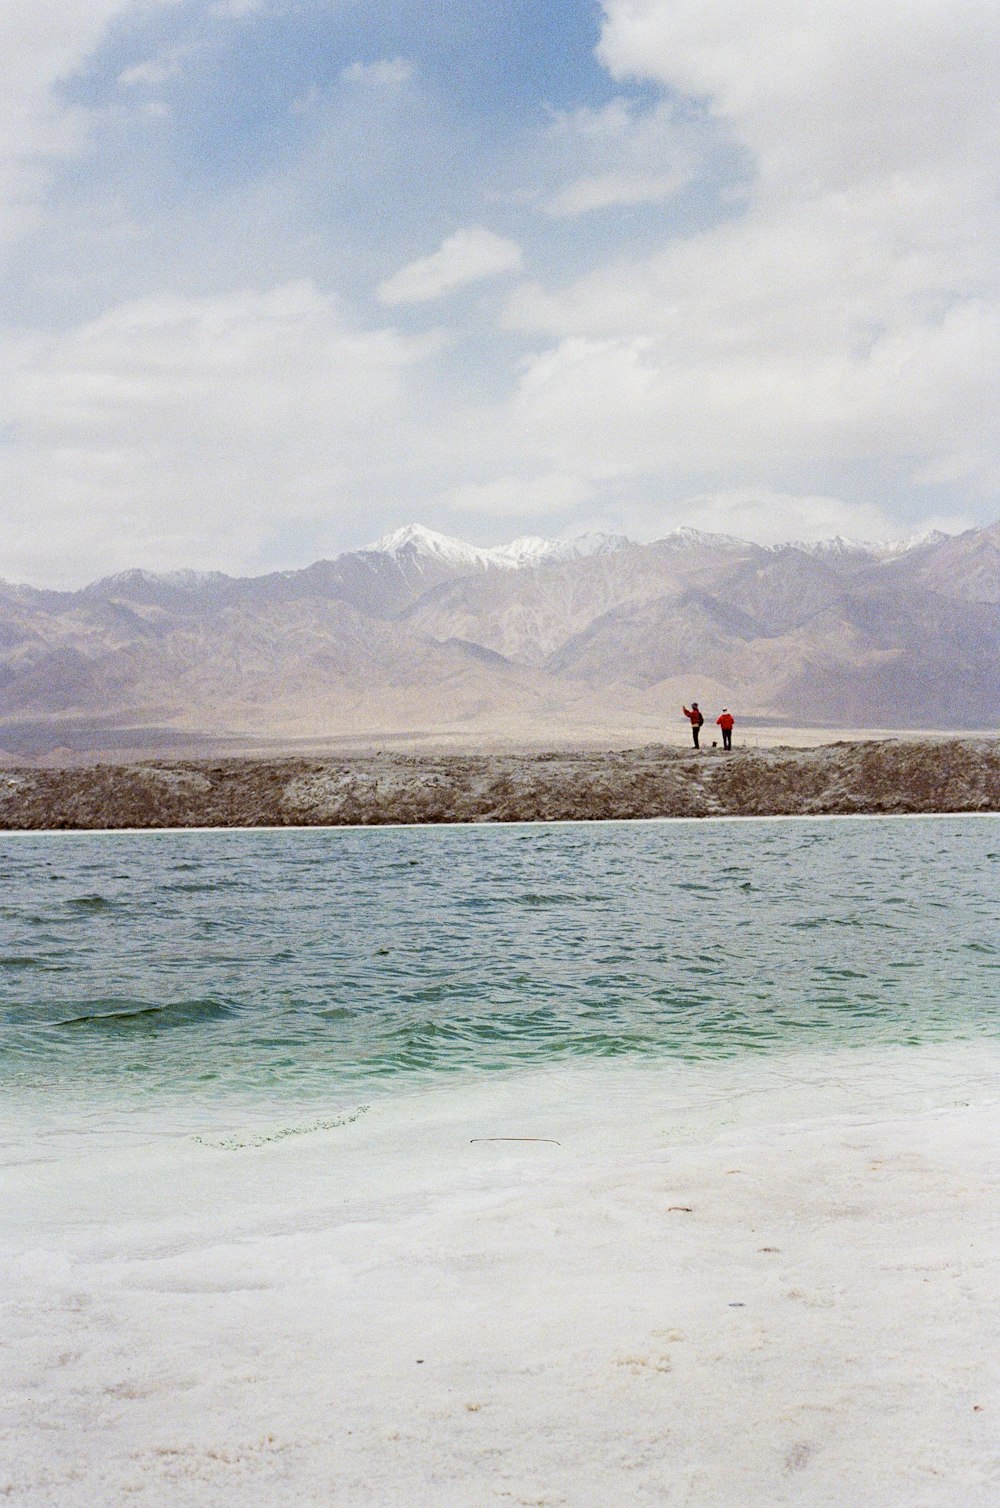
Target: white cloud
{"type": "Point", "coordinates": [176, 431]}
{"type": "Point", "coordinates": [391, 72]}
{"type": "Point", "coordinates": [693, 401]}
{"type": "Point", "coordinates": [546, 494]}
{"type": "Point", "coordinates": [154, 71]}
{"type": "Point", "coordinates": [41, 44]}
{"type": "Point", "coordinates": [608, 189]}
{"type": "Point", "coordinates": [775, 517]}
{"type": "Point", "coordinates": [851, 308]}
{"type": "Point", "coordinates": [237, 10]}
{"type": "Point", "coordinates": [169, 63]}
{"type": "Point", "coordinates": [619, 155]}
{"type": "Point", "coordinates": [468, 256]}
{"type": "Point", "coordinates": [839, 312]}
{"type": "Point", "coordinates": [829, 93]}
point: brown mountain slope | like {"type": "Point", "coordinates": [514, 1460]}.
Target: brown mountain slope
{"type": "Point", "coordinates": [530, 615]}
{"type": "Point", "coordinates": [966, 566]}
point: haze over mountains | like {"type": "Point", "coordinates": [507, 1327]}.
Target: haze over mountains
{"type": "Point", "coordinates": [423, 634]}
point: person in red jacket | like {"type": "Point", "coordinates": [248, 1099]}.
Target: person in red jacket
{"type": "Point", "coordinates": [696, 720]}
{"type": "Point", "coordinates": [725, 721]}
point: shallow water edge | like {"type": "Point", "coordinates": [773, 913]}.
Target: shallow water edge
{"type": "Point", "coordinates": [544, 822]}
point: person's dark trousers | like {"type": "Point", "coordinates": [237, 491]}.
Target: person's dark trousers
{"type": "Point", "coordinates": [695, 730]}
{"type": "Point", "coordinates": [727, 738]}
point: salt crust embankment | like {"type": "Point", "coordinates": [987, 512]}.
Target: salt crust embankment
{"type": "Point", "coordinates": [885, 776]}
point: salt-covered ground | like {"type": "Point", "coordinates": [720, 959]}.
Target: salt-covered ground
{"type": "Point", "coordinates": [764, 1282]}
{"type": "Point", "coordinates": [847, 778]}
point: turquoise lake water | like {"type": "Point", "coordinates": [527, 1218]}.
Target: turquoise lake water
{"type": "Point", "coordinates": [139, 966]}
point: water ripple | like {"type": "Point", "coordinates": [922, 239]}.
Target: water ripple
{"type": "Point", "coordinates": [343, 958]}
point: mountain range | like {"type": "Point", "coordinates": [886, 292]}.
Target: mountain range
{"type": "Point", "coordinates": [421, 634]}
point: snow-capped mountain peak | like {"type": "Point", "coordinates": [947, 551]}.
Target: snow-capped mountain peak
{"type": "Point", "coordinates": [415, 543]}
{"type": "Point", "coordinates": [532, 549]}
{"type": "Point", "coordinates": [684, 538]}
{"type": "Point", "coordinates": [137, 579]}
{"type": "Point", "coordinates": [893, 547]}
{"type": "Point", "coordinates": [418, 546]}
{"type": "Point", "coordinates": [880, 549]}
{"type": "Point", "coordinates": [527, 549]}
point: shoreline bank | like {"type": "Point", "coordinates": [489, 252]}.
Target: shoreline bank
{"type": "Point", "coordinates": [879, 777]}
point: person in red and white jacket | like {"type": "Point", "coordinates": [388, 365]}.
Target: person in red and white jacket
{"type": "Point", "coordinates": [695, 718]}
{"type": "Point", "coordinates": [725, 721]}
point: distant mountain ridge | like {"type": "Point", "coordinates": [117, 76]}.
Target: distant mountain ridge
{"type": "Point", "coordinates": [416, 543]}
{"type": "Point", "coordinates": [423, 632]}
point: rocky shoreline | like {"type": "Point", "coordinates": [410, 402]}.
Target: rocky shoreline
{"type": "Point", "coordinates": [888, 776]}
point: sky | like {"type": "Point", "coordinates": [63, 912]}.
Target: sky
{"type": "Point", "coordinates": [279, 276]}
